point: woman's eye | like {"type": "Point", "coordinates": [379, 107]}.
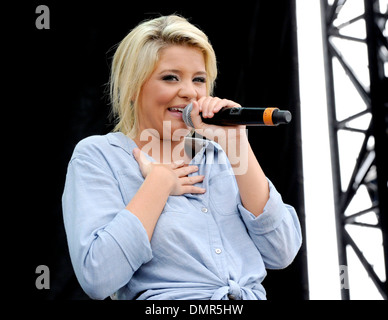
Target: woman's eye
{"type": "Point", "coordinates": [170, 77]}
{"type": "Point", "coordinates": [200, 79]}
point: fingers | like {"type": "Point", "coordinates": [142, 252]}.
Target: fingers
{"type": "Point", "coordinates": [191, 180]}
{"type": "Point", "coordinates": [185, 171]}
{"type": "Point", "coordinates": [192, 189]}
{"type": "Point", "coordinates": [184, 183]}
{"type": "Point", "coordinates": [142, 160]}
{"type": "Point", "coordinates": [187, 184]}
{"type": "Point", "coordinates": [177, 164]}
{"type": "Point", "coordinates": [140, 156]}
{"type": "Point", "coordinates": [195, 117]}
{"type": "Point", "coordinates": [136, 152]}
{"type": "Point", "coordinates": [211, 105]}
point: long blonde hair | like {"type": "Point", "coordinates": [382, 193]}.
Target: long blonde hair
{"type": "Point", "coordinates": [136, 58]}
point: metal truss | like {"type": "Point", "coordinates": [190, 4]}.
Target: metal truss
{"type": "Point", "coordinates": [370, 168]}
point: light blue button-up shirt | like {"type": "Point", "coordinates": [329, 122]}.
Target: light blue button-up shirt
{"type": "Point", "coordinates": [204, 246]}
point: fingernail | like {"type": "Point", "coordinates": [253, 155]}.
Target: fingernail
{"type": "Point", "coordinates": [179, 162]}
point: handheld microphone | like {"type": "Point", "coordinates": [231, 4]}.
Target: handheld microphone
{"type": "Point", "coordinates": [242, 116]}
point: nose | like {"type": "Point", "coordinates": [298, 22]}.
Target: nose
{"type": "Point", "coordinates": [188, 90]}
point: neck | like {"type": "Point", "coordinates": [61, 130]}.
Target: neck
{"type": "Point", "coordinates": [163, 151]}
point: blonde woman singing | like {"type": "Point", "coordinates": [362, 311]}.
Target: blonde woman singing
{"type": "Point", "coordinates": [148, 217]}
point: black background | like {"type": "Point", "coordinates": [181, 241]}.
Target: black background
{"type": "Point", "coordinates": [61, 92]}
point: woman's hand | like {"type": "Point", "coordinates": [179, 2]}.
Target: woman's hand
{"type": "Point", "coordinates": [175, 173]}
{"type": "Point", "coordinates": [251, 180]}
{"type": "Point", "coordinates": [210, 106]}
{"type": "Point", "coordinates": [229, 137]}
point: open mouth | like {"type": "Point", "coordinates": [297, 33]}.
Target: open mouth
{"type": "Point", "coordinates": [175, 110]}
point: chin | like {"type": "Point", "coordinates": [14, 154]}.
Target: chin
{"type": "Point", "coordinates": [180, 130]}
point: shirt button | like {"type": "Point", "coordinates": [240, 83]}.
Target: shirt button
{"type": "Point", "coordinates": [218, 250]}
{"type": "Point", "coordinates": [204, 210]}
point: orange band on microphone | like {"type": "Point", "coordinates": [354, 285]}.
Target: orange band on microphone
{"type": "Point", "coordinates": [267, 116]}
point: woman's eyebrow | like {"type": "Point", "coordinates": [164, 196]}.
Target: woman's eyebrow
{"type": "Point", "coordinates": [201, 73]}
{"type": "Point", "coordinates": [180, 72]}
{"type": "Point", "coordinates": [170, 70]}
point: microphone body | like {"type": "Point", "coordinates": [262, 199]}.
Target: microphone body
{"type": "Point", "coordinates": [242, 116]}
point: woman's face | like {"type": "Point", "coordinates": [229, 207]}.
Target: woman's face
{"type": "Point", "coordinates": [179, 77]}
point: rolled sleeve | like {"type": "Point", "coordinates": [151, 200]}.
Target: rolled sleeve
{"type": "Point", "coordinates": [132, 238]}
{"type": "Point", "coordinates": [107, 243]}
{"type": "Point", "coordinates": [276, 232]}
{"type": "Point", "coordinates": [271, 217]}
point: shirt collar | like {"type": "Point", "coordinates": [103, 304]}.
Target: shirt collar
{"type": "Point", "coordinates": [196, 144]}
{"type": "Point", "coordinates": [119, 139]}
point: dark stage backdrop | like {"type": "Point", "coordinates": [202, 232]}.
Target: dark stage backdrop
{"type": "Point", "coordinates": [65, 72]}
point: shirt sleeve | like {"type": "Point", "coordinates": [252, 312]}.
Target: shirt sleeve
{"type": "Point", "coordinates": [107, 243]}
{"type": "Point", "coordinates": [276, 232]}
